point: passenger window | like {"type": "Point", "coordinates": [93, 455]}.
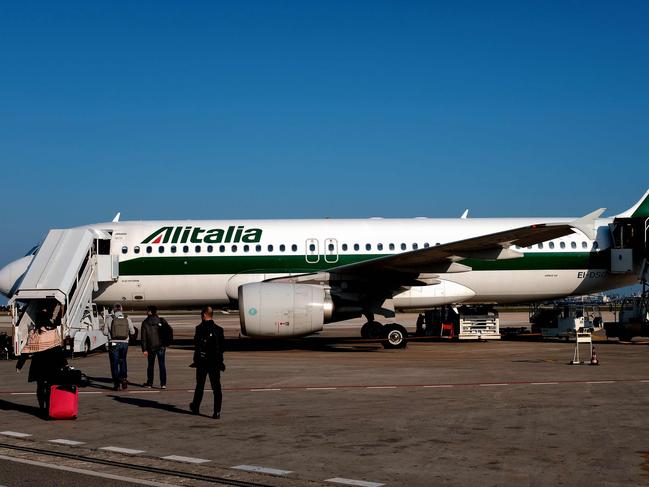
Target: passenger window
{"type": "Point", "coordinates": [161, 250]}
{"type": "Point", "coordinates": [436, 243]}
{"type": "Point", "coordinates": [210, 248]}
{"type": "Point", "coordinates": [282, 248]}
{"type": "Point", "coordinates": [426, 245]}
{"type": "Point", "coordinates": [185, 249]}
{"type": "Point", "coordinates": [173, 249]}
{"type": "Point", "coordinates": [294, 248]}
{"type": "Point", "coordinates": [573, 245]}
{"type": "Point", "coordinates": [562, 245]}
{"type": "Point", "coordinates": [551, 245]}
{"type": "Point", "coordinates": [197, 249]}
{"type": "Point", "coordinates": [595, 245]}
{"type": "Point", "coordinates": [415, 246]}
{"type": "Point", "coordinates": [391, 246]}
{"type": "Point", "coordinates": [403, 246]}
{"type": "Point", "coordinates": [246, 248]}
{"type": "Point", "coordinates": [124, 249]}
{"type": "Point", "coordinates": [234, 248]}
{"type": "Point", "coordinates": [312, 247]}
{"type": "Point", "coordinates": [368, 246]}
{"type": "Point", "coordinates": [221, 248]}
{"type": "Point", "coordinates": [136, 249]}
{"type": "Point", "coordinates": [270, 248]}
{"type": "Point", "coordinates": [345, 247]}
{"type": "Point", "coordinates": [149, 249]}
{"type": "Point", "coordinates": [331, 247]}
{"type": "Point", "coordinates": [356, 247]}
{"type": "Point", "coordinates": [379, 246]}
{"type": "Point", "coordinates": [258, 248]}
{"type": "Point", "coordinates": [540, 246]}
{"type": "Point", "coordinates": [584, 245]}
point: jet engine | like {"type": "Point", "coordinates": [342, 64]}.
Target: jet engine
{"type": "Point", "coordinates": [274, 309]}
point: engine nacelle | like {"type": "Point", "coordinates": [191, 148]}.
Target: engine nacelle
{"type": "Point", "coordinates": [274, 309]}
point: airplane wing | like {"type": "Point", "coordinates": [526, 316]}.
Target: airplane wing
{"type": "Point", "coordinates": [403, 269]}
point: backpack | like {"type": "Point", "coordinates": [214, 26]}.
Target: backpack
{"type": "Point", "coordinates": [166, 333]}
{"type": "Point", "coordinates": [119, 328]}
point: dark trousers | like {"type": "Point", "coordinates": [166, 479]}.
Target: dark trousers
{"type": "Point", "coordinates": [43, 395]}
{"type": "Point", "coordinates": [160, 353]}
{"type": "Point", "coordinates": [117, 354]}
{"type": "Point", "coordinates": [215, 381]}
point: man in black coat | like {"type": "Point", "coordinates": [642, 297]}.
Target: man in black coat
{"type": "Point", "coordinates": [209, 344]}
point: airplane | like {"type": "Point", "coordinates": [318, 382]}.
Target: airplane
{"type": "Point", "coordinates": [289, 278]}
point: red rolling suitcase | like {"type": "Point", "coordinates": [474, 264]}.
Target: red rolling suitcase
{"type": "Point", "coordinates": [64, 402]}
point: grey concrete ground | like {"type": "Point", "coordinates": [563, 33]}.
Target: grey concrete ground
{"type": "Point", "coordinates": [437, 413]}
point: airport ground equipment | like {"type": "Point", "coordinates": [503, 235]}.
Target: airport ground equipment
{"type": "Point", "coordinates": [64, 273]}
{"type": "Point", "coordinates": [565, 320]}
{"type": "Point", "coordinates": [464, 323]}
{"type": "Point", "coordinates": [632, 318]}
{"type": "Point", "coordinates": [586, 338]}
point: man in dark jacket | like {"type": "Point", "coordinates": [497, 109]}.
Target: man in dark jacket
{"type": "Point", "coordinates": [153, 346]}
{"type": "Point", "coordinates": [209, 344]}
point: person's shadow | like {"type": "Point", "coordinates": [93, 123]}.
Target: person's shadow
{"type": "Point", "coordinates": [147, 403]}
{"type": "Point", "coordinates": [22, 408]}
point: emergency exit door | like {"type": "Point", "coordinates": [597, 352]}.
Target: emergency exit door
{"type": "Point", "coordinates": [312, 251]}
{"type": "Point", "coordinates": [331, 250]}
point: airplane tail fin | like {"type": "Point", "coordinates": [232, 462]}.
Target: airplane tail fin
{"type": "Point", "coordinates": [640, 209]}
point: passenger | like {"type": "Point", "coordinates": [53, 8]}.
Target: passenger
{"type": "Point", "coordinates": [153, 346]}
{"type": "Point", "coordinates": [47, 359]}
{"type": "Point", "coordinates": [209, 345]}
{"type": "Point", "coordinates": [118, 327]}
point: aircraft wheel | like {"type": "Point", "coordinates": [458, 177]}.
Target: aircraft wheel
{"type": "Point", "coordinates": [372, 329]}
{"type": "Point", "coordinates": [396, 336]}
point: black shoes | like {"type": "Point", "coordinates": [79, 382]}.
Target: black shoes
{"type": "Point", "coordinates": [217, 415]}
{"type": "Point", "coordinates": [193, 408]}
{"type": "Point", "coordinates": [124, 384]}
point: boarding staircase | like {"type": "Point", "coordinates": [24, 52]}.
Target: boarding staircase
{"type": "Point", "coordinates": [63, 275]}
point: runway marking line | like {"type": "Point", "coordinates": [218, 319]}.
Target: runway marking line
{"type": "Point", "coordinates": [178, 458]}
{"type": "Point", "coordinates": [118, 449]}
{"type": "Point", "coordinates": [256, 468]}
{"type": "Point", "coordinates": [600, 382]}
{"type": "Point", "coordinates": [438, 386]}
{"type": "Point", "coordinates": [14, 434]}
{"type": "Point", "coordinates": [62, 441]}
{"type": "Point", "coordinates": [80, 471]}
{"type": "Point", "coordinates": [264, 389]}
{"type": "Point", "coordinates": [23, 393]}
{"type": "Point", "coordinates": [381, 387]}
{"type": "Point", "coordinates": [491, 385]}
{"type": "Point", "coordinates": [543, 383]}
{"type": "Point", "coordinates": [321, 388]}
{"type": "Point", "coordinates": [358, 483]}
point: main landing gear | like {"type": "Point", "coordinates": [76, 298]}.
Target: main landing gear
{"type": "Point", "coordinates": [393, 334]}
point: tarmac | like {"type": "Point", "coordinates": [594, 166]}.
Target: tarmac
{"type": "Point", "coordinates": [334, 409]}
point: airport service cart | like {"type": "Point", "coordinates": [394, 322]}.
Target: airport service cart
{"type": "Point", "coordinates": [478, 323]}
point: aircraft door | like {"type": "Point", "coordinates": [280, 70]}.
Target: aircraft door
{"type": "Point", "coordinates": [331, 250]}
{"type": "Point", "coordinates": [312, 251]}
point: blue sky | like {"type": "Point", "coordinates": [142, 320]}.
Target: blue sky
{"type": "Point", "coordinates": [313, 109]}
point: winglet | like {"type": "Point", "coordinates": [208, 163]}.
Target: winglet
{"type": "Point", "coordinates": [116, 219]}
{"type": "Point", "coordinates": [465, 214]}
{"type": "Point", "coordinates": [586, 224]}
{"type": "Point", "coordinates": [641, 208]}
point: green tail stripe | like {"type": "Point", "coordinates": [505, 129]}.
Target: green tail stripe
{"type": "Point", "coordinates": [643, 209]}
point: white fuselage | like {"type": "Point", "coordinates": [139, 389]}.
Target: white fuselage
{"type": "Point", "coordinates": [193, 263]}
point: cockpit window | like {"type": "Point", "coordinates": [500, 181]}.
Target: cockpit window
{"type": "Point", "coordinates": [33, 250]}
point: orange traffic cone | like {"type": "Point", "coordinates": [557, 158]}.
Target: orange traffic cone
{"type": "Point", "coordinates": [593, 358]}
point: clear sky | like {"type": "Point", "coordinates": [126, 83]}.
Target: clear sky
{"type": "Point", "coordinates": [311, 109]}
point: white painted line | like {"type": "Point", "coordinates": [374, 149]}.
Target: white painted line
{"type": "Point", "coordinates": [492, 385]}
{"type": "Point", "coordinates": [61, 441]}
{"type": "Point", "coordinates": [23, 393]}
{"type": "Point", "coordinates": [256, 468]}
{"type": "Point", "coordinates": [178, 458]}
{"type": "Point", "coordinates": [84, 472]}
{"type": "Point", "coordinates": [437, 386]}
{"type": "Point", "coordinates": [543, 383]}
{"type": "Point", "coordinates": [645, 381]}
{"type": "Point", "coordinates": [263, 390]}
{"type": "Point", "coordinates": [359, 483]}
{"type": "Point", "coordinates": [600, 382]}
{"type": "Point", "coordinates": [321, 388]}
{"type": "Point", "coordinates": [117, 449]}
{"type": "Point", "coordinates": [15, 434]}
{"type": "Point", "coordinates": [144, 392]}
{"type": "Point", "coordinates": [381, 387]}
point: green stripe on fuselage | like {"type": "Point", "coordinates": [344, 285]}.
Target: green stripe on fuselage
{"type": "Point", "coordinates": [254, 264]}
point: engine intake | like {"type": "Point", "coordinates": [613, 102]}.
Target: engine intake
{"type": "Point", "coordinates": [274, 309]}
